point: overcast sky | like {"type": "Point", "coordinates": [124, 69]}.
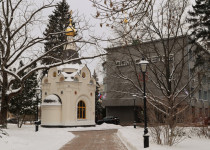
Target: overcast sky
{"type": "Point", "coordinates": [84, 7]}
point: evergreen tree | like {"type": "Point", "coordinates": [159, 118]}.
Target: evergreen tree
{"type": "Point", "coordinates": [200, 20]}
{"type": "Point", "coordinates": [99, 110]}
{"type": "Point", "coordinates": [24, 103]}
{"type": "Point", "coordinates": [58, 22]}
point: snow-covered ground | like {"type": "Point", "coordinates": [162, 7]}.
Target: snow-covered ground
{"type": "Point", "coordinates": [26, 138]}
{"type": "Point", "coordinates": [133, 139]}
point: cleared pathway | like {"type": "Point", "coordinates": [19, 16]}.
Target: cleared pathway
{"type": "Point", "coordinates": [95, 140]}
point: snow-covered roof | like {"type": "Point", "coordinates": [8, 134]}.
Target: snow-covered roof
{"type": "Point", "coordinates": [70, 66]}
{"type": "Point", "coordinates": [52, 100]}
{"type": "Point", "coordinates": [70, 76]}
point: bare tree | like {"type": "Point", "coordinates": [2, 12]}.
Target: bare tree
{"type": "Point", "coordinates": [19, 41]}
{"type": "Point", "coordinates": [115, 12]}
{"type": "Point", "coordinates": [172, 77]}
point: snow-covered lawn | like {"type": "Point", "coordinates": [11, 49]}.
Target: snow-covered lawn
{"type": "Point", "coordinates": [26, 138]}
{"type": "Point", "coordinates": [133, 139]}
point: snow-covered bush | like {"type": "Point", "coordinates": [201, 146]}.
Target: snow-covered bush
{"type": "Point", "coordinates": [166, 135]}
{"type": "Point", "coordinates": [201, 131]}
{"type": "Point", "coordinates": [3, 133]}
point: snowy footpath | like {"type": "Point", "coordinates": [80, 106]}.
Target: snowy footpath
{"type": "Point", "coordinates": [26, 138]}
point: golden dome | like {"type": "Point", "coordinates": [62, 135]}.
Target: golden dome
{"type": "Point", "coordinates": [125, 21]}
{"type": "Point", "coordinates": [70, 31]}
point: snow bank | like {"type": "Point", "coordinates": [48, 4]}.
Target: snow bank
{"type": "Point", "coordinates": [103, 126]}
{"type": "Point", "coordinates": [133, 139]}
{"type": "Point", "coordinates": [26, 138]}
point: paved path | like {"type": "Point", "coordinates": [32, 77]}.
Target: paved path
{"type": "Point", "coordinates": [95, 140]}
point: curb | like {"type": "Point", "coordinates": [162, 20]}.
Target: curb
{"type": "Point", "coordinates": [128, 145]}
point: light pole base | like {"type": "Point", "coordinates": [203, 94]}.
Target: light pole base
{"type": "Point", "coordinates": [134, 124]}
{"type": "Point", "coordinates": [36, 128]}
{"type": "Point", "coordinates": [146, 141]}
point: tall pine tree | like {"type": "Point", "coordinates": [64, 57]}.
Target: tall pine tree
{"type": "Point", "coordinates": [200, 20]}
{"type": "Point", "coordinates": [24, 103]}
{"type": "Point", "coordinates": [58, 22]}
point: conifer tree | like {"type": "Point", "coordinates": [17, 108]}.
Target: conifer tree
{"type": "Point", "coordinates": [58, 22]}
{"type": "Point", "coordinates": [200, 20]}
{"type": "Point", "coordinates": [99, 110]}
{"type": "Point", "coordinates": [24, 103]}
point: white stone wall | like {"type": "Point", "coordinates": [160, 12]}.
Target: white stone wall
{"type": "Point", "coordinates": [70, 93]}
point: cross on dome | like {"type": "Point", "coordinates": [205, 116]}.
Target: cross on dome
{"type": "Point", "coordinates": [70, 30]}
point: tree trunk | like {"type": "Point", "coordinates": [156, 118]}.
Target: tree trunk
{"type": "Point", "coordinates": [22, 121]}
{"type": "Point", "coordinates": [4, 111]}
{"type": "Point", "coordinates": [4, 102]}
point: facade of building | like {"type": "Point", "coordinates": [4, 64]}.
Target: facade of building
{"type": "Point", "coordinates": [123, 78]}
{"type": "Point", "coordinates": [68, 96]}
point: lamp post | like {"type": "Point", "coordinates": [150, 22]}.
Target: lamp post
{"type": "Point", "coordinates": [38, 92]}
{"type": "Point", "coordinates": [134, 111]}
{"type": "Point", "coordinates": [143, 66]}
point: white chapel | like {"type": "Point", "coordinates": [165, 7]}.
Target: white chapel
{"type": "Point", "coordinates": [68, 93]}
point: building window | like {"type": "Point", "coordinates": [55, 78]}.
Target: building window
{"type": "Point", "coordinates": [137, 61]}
{"type": "Point", "coordinates": [206, 112]}
{"type": "Point", "coordinates": [190, 54]}
{"type": "Point", "coordinates": [200, 112]}
{"type": "Point", "coordinates": [123, 63]}
{"type": "Point", "coordinates": [46, 81]}
{"type": "Point", "coordinates": [200, 94]}
{"type": "Point", "coordinates": [81, 110]}
{"type": "Point", "coordinates": [205, 95]}
{"type": "Point", "coordinates": [155, 59]}
{"type": "Point", "coordinates": [209, 95]}
{"type": "Point", "coordinates": [204, 79]}
{"type": "Point", "coordinates": [83, 75]}
{"type": "Point", "coordinates": [76, 79]}
{"type": "Point", "coordinates": [192, 91]}
{"type": "Point", "coordinates": [171, 57]}
{"type": "Point", "coordinates": [193, 112]}
{"type": "Point", "coordinates": [117, 63]}
{"type": "Point", "coordinates": [91, 82]}
{"type": "Point", "coordinates": [163, 58]}
{"type": "Point", "coordinates": [54, 74]}
{"type": "Point", "coordinates": [61, 79]}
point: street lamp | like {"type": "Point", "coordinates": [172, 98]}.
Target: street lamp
{"type": "Point", "coordinates": [143, 66]}
{"type": "Point", "coordinates": [37, 122]}
{"type": "Point", "coordinates": [134, 111]}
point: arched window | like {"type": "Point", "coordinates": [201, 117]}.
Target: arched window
{"type": "Point", "coordinates": [61, 79]}
{"type": "Point", "coordinates": [91, 81]}
{"type": "Point", "coordinates": [81, 110]}
{"type": "Point", "coordinates": [83, 75]}
{"type": "Point", "coordinates": [76, 79]}
{"type": "Point", "coordinates": [46, 81]}
{"type": "Point", "coordinates": [54, 74]}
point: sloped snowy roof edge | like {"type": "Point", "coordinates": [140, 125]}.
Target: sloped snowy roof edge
{"type": "Point", "coordinates": [52, 100]}
{"type": "Point", "coordinates": [73, 66]}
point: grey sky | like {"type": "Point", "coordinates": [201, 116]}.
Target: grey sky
{"type": "Point", "coordinates": [84, 7]}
